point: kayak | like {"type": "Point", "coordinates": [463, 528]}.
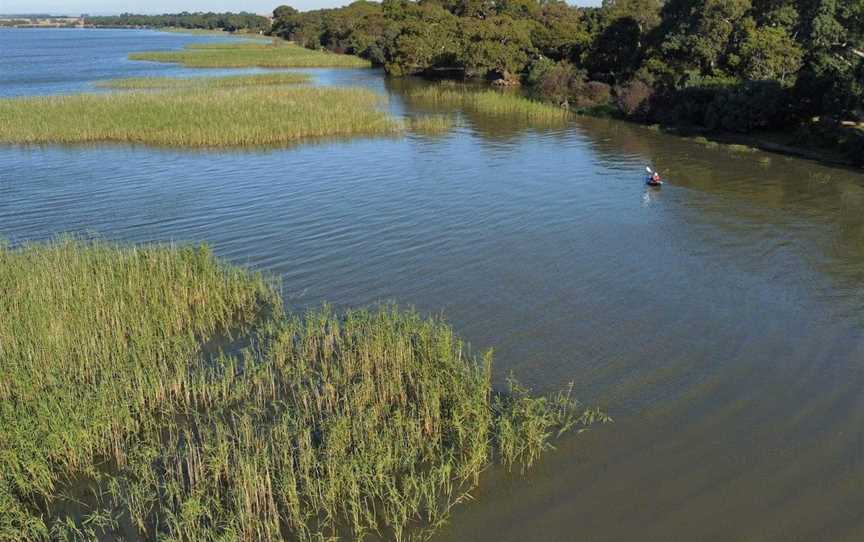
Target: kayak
{"type": "Point", "coordinates": [650, 181]}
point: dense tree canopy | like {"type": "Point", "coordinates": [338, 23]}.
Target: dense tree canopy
{"type": "Point", "coordinates": [722, 64]}
{"type": "Point", "coordinates": [208, 21]}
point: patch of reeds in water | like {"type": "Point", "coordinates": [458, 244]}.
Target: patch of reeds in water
{"type": "Point", "coordinates": [491, 102]}
{"type": "Point", "coordinates": [197, 117]}
{"type": "Point", "coordinates": [276, 54]}
{"type": "Point", "coordinates": [326, 427]}
{"type": "Point", "coordinates": [158, 83]}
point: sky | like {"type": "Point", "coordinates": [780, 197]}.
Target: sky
{"type": "Point", "coordinates": [112, 7]}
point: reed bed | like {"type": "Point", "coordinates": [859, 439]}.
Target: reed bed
{"type": "Point", "coordinates": [94, 341]}
{"type": "Point", "coordinates": [197, 117]}
{"type": "Point", "coordinates": [490, 102]}
{"type": "Point", "coordinates": [160, 83]}
{"type": "Point", "coordinates": [276, 54]}
{"type": "Point", "coordinates": [114, 421]}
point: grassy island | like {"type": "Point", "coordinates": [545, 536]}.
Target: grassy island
{"type": "Point", "coordinates": [276, 54]}
{"type": "Point", "coordinates": [155, 393]}
{"type": "Point", "coordinates": [158, 83]}
{"type": "Point", "coordinates": [207, 112]}
{"type": "Point", "coordinates": [202, 116]}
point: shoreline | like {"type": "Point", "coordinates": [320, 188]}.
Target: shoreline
{"type": "Point", "coordinates": [784, 144]}
{"type": "Point", "coordinates": [772, 142]}
{"type": "Point", "coordinates": [776, 143]}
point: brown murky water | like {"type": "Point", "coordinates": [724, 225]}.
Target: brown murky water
{"type": "Point", "coordinates": [719, 319]}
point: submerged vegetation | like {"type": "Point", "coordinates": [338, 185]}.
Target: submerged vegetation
{"type": "Point", "coordinates": [263, 79]}
{"type": "Point", "coordinates": [431, 124]}
{"type": "Point", "coordinates": [276, 54]}
{"type": "Point", "coordinates": [198, 117]}
{"type": "Point", "coordinates": [118, 417]}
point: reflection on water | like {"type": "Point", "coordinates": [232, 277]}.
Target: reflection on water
{"type": "Point", "coordinates": [717, 319]}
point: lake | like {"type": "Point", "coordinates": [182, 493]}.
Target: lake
{"type": "Point", "coordinates": [718, 320]}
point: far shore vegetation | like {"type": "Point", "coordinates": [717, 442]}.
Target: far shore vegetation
{"type": "Point", "coordinates": [195, 22]}
{"type": "Point", "coordinates": [156, 393]}
{"type": "Point", "coordinates": [276, 54]}
{"type": "Point", "coordinates": [199, 116]}
{"type": "Point", "coordinates": [245, 34]}
{"type": "Point", "coordinates": [262, 79]}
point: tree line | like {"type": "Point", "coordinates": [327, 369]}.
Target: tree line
{"type": "Point", "coordinates": [730, 65]}
{"type": "Point", "coordinates": [206, 21]}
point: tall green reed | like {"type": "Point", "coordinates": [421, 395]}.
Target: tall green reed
{"type": "Point", "coordinates": [325, 427]}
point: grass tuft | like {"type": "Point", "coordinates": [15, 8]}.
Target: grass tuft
{"type": "Point", "coordinates": [276, 54]}
{"type": "Point", "coordinates": [114, 420]}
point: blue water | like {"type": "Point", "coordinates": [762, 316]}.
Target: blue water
{"type": "Point", "coordinates": [718, 319]}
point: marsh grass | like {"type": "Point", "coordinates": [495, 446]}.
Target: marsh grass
{"type": "Point", "coordinates": [161, 83]}
{"type": "Point", "coordinates": [94, 340]}
{"type": "Point", "coordinates": [491, 103]}
{"type": "Point", "coordinates": [197, 117]}
{"type": "Point", "coordinates": [276, 54]}
{"type": "Point", "coordinates": [326, 427]}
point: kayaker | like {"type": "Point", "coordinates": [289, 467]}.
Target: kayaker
{"type": "Point", "coordinates": [655, 178]}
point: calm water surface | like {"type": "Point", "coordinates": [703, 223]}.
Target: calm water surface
{"type": "Point", "coordinates": [719, 320]}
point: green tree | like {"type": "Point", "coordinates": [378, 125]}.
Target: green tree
{"type": "Point", "coordinates": [696, 34]}
{"type": "Point", "coordinates": [777, 13]}
{"type": "Point", "coordinates": [646, 13]}
{"type": "Point", "coordinates": [498, 46]}
{"type": "Point", "coordinates": [616, 53]}
{"type": "Point", "coordinates": [768, 53]}
{"type": "Point", "coordinates": [428, 37]}
{"type": "Point", "coordinates": [559, 31]}
{"type": "Point", "coordinates": [827, 81]}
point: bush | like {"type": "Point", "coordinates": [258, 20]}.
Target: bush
{"type": "Point", "coordinates": [751, 106]}
{"type": "Point", "coordinates": [634, 99]}
{"type": "Point", "coordinates": [594, 93]}
{"type": "Point", "coordinates": [538, 70]}
{"type": "Point", "coordinates": [565, 85]}
{"type": "Point", "coordinates": [741, 107]}
{"type": "Point", "coordinates": [559, 83]}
